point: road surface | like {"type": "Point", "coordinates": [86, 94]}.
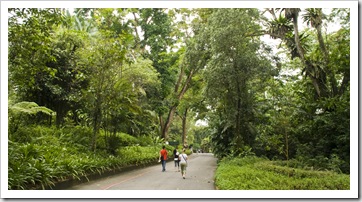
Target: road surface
{"type": "Point", "coordinates": [199, 176]}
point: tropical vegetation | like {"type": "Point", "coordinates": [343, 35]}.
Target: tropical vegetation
{"type": "Point", "coordinates": [97, 89]}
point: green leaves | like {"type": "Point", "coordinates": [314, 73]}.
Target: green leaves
{"type": "Point", "coordinates": [133, 71]}
{"type": "Point", "coordinates": [30, 108]}
{"type": "Point", "coordinates": [55, 155]}
{"type": "Point", "coordinates": [235, 74]}
{"type": "Point", "coordinates": [259, 174]}
{"type": "Point", "coordinates": [313, 17]}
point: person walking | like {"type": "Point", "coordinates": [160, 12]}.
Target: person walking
{"type": "Point", "coordinates": [177, 161]}
{"type": "Point", "coordinates": [163, 158]}
{"type": "Point", "coordinates": [183, 163]}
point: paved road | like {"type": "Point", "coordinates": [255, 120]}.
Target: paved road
{"type": "Point", "coordinates": [199, 176]}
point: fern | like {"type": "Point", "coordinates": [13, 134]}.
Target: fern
{"type": "Point", "coordinates": [30, 108]}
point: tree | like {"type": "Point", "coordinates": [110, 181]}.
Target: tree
{"type": "Point", "coordinates": [104, 57]}
{"type": "Point", "coordinates": [142, 80]}
{"type": "Point", "coordinates": [233, 74]}
{"type": "Point", "coordinates": [80, 21]}
{"type": "Point", "coordinates": [314, 17]}
{"type": "Point", "coordinates": [278, 27]}
{"type": "Point", "coordinates": [189, 107]}
{"type": "Point", "coordinates": [169, 59]}
{"type": "Point", "coordinates": [30, 36]}
{"type": "Point", "coordinates": [275, 116]}
{"type": "Point", "coordinates": [194, 60]}
{"type": "Point", "coordinates": [315, 105]}
{"type": "Point", "coordinates": [154, 42]}
{"type": "Point", "coordinates": [61, 92]}
{"type": "Point", "coordinates": [42, 58]}
{"type": "Point", "coordinates": [316, 75]}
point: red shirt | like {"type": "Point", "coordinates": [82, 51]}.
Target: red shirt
{"type": "Point", "coordinates": [164, 154]}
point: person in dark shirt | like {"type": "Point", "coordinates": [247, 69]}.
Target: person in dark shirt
{"type": "Point", "coordinates": [177, 161]}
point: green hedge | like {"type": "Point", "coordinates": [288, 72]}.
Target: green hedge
{"type": "Point", "coordinates": [252, 173]}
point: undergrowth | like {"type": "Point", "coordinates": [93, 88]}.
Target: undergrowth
{"type": "Point", "coordinates": [40, 157]}
{"type": "Point", "coordinates": [253, 173]}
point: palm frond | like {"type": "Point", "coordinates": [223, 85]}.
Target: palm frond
{"type": "Point", "coordinates": [313, 17]}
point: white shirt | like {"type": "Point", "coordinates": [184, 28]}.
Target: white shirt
{"type": "Point", "coordinates": [183, 158]}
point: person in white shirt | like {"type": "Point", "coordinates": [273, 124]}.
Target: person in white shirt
{"type": "Point", "coordinates": [183, 163]}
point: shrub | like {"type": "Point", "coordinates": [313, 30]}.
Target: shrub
{"type": "Point", "coordinates": [50, 155]}
{"type": "Point", "coordinates": [138, 154]}
{"type": "Point", "coordinates": [79, 135]}
{"type": "Point", "coordinates": [145, 140]}
{"type": "Point", "coordinates": [252, 173]}
{"type": "Point", "coordinates": [33, 166]}
{"type": "Point", "coordinates": [127, 140]}
{"type": "Point", "coordinates": [188, 151]}
{"type": "Point", "coordinates": [27, 134]}
{"type": "Point", "coordinates": [333, 163]}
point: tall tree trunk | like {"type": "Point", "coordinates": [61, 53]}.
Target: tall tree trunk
{"type": "Point", "coordinates": [297, 39]}
{"type": "Point", "coordinates": [97, 117]}
{"type": "Point", "coordinates": [318, 82]}
{"type": "Point", "coordinates": [331, 75]}
{"type": "Point", "coordinates": [95, 131]}
{"type": "Point", "coordinates": [184, 119]}
{"type": "Point", "coordinates": [173, 108]}
{"type": "Point", "coordinates": [161, 125]}
{"type": "Point", "coordinates": [345, 82]}
{"type": "Point", "coordinates": [60, 114]}
{"type": "Point", "coordinates": [168, 122]}
{"type": "Point", "coordinates": [240, 82]}
{"type": "Point", "coordinates": [239, 138]}
{"type": "Point", "coordinates": [322, 46]}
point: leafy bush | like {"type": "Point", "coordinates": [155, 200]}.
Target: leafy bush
{"type": "Point", "coordinates": [169, 149]}
{"type": "Point", "coordinates": [111, 142]}
{"type": "Point", "coordinates": [334, 163]}
{"type": "Point", "coordinates": [127, 140]}
{"type": "Point", "coordinates": [157, 140]}
{"type": "Point", "coordinates": [145, 140]}
{"type": "Point", "coordinates": [252, 173]}
{"type": "Point", "coordinates": [79, 135]}
{"type": "Point", "coordinates": [51, 155]}
{"type": "Point", "coordinates": [188, 151]}
{"type": "Point", "coordinates": [32, 165]}
{"type": "Point", "coordinates": [25, 113]}
{"type": "Point", "coordinates": [138, 154]}
{"type": "Point", "coordinates": [27, 134]}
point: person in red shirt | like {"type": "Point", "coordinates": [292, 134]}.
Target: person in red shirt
{"type": "Point", "coordinates": [163, 157]}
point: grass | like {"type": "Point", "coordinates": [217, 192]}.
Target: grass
{"type": "Point", "coordinates": [252, 173]}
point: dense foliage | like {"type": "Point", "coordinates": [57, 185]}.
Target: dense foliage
{"type": "Point", "coordinates": [252, 173]}
{"type": "Point", "coordinates": [96, 89]}
{"type": "Point", "coordinates": [40, 157]}
{"type": "Point", "coordinates": [282, 106]}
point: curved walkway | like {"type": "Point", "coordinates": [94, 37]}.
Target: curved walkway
{"type": "Point", "coordinates": [200, 176]}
